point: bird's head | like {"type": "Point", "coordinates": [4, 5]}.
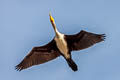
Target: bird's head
{"type": "Point", "coordinates": [52, 22]}
{"type": "Point", "coordinates": [51, 19]}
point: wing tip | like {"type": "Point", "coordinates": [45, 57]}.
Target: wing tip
{"type": "Point", "coordinates": [18, 68]}
{"type": "Point", "coordinates": [102, 37]}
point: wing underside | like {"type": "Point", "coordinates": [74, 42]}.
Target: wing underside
{"type": "Point", "coordinates": [83, 40]}
{"type": "Point", "coordinates": [39, 55]}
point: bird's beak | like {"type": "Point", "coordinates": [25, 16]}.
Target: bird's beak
{"type": "Point", "coordinates": [51, 19]}
{"type": "Point", "coordinates": [52, 22]}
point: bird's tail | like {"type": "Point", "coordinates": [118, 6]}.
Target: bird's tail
{"type": "Point", "coordinates": [72, 64]}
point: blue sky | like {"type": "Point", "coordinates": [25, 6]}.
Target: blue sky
{"type": "Point", "coordinates": [25, 24]}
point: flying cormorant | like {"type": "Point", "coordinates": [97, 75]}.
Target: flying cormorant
{"type": "Point", "coordinates": [61, 45]}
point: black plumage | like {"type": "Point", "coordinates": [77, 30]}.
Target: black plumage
{"type": "Point", "coordinates": [43, 54]}
{"type": "Point", "coordinates": [61, 45]}
{"type": "Point", "coordinates": [83, 40]}
{"type": "Point", "coordinates": [39, 55]}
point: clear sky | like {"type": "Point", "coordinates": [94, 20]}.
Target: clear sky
{"type": "Point", "coordinates": [25, 24]}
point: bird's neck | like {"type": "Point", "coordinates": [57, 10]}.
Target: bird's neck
{"type": "Point", "coordinates": [57, 33]}
{"type": "Point", "coordinates": [56, 30]}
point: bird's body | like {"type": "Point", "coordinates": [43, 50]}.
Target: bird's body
{"type": "Point", "coordinates": [61, 45]}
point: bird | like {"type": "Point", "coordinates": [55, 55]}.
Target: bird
{"type": "Point", "coordinates": [61, 45]}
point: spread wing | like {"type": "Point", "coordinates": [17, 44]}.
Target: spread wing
{"type": "Point", "coordinates": [83, 40]}
{"type": "Point", "coordinates": [39, 55]}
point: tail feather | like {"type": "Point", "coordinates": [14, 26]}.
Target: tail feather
{"type": "Point", "coordinates": [72, 64]}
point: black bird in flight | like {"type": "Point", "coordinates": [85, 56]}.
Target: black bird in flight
{"type": "Point", "coordinates": [61, 45]}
